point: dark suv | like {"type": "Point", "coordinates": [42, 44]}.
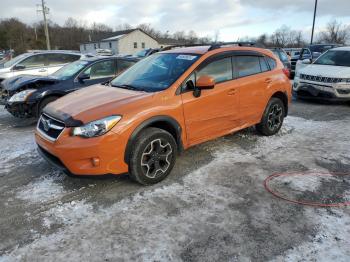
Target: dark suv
{"type": "Point", "coordinates": [27, 95]}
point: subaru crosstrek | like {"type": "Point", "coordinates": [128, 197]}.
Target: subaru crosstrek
{"type": "Point", "coordinates": [162, 105]}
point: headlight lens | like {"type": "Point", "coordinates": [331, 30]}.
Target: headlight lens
{"type": "Point", "coordinates": [22, 96]}
{"type": "Point", "coordinates": [96, 128]}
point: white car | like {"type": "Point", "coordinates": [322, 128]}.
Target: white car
{"type": "Point", "coordinates": [326, 78]}
{"type": "Point", "coordinates": [38, 63]}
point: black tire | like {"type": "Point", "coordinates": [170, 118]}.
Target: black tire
{"type": "Point", "coordinates": [44, 103]}
{"type": "Point", "coordinates": [273, 117]}
{"type": "Point", "coordinates": [153, 156]}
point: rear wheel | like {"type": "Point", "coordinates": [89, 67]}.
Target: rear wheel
{"type": "Point", "coordinates": [273, 117]}
{"type": "Point", "coordinates": [153, 156]}
{"type": "Point", "coordinates": [44, 103]}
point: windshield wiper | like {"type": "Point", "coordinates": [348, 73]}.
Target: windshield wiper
{"type": "Point", "coordinates": [129, 87]}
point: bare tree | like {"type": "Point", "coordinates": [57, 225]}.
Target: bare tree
{"type": "Point", "coordinates": [335, 32]}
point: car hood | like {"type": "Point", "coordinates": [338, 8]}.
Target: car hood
{"type": "Point", "coordinates": [16, 82]}
{"type": "Point", "coordinates": [326, 71]}
{"type": "Point", "coordinates": [92, 103]}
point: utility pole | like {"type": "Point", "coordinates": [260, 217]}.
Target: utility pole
{"type": "Point", "coordinates": [45, 10]}
{"type": "Point", "coordinates": [313, 24]}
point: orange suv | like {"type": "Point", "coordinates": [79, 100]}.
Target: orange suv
{"type": "Point", "coordinates": [166, 103]}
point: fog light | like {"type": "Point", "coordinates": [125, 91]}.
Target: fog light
{"type": "Point", "coordinates": [95, 161]}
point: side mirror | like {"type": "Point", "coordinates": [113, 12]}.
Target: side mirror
{"type": "Point", "coordinates": [203, 83]}
{"type": "Point", "coordinates": [306, 61]}
{"type": "Point", "coordinates": [83, 77]}
{"type": "Point", "coordinates": [19, 67]}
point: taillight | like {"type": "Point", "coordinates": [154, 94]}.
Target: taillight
{"type": "Point", "coordinates": [286, 71]}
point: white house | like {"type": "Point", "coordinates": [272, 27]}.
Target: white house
{"type": "Point", "coordinates": [126, 42]}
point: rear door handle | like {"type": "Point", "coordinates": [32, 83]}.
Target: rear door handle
{"type": "Point", "coordinates": [232, 91]}
{"type": "Point", "coordinates": [42, 70]}
{"type": "Point", "coordinates": [268, 80]}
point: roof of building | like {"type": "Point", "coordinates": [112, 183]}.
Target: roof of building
{"type": "Point", "coordinates": [119, 34]}
{"type": "Point", "coordinates": [169, 41]}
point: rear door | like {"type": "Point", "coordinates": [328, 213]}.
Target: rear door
{"type": "Point", "coordinates": [254, 78]}
{"type": "Point", "coordinates": [99, 72]}
{"type": "Point", "coordinates": [215, 112]}
{"type": "Point", "coordinates": [123, 64]}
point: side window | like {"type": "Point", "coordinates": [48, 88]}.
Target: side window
{"type": "Point", "coordinates": [122, 65]}
{"type": "Point", "coordinates": [220, 70]}
{"type": "Point", "coordinates": [272, 63]}
{"type": "Point", "coordinates": [189, 84]}
{"type": "Point", "coordinates": [263, 64]}
{"type": "Point", "coordinates": [34, 61]}
{"type": "Point", "coordinates": [247, 65]}
{"type": "Point", "coordinates": [101, 69]}
{"type": "Point", "coordinates": [60, 59]}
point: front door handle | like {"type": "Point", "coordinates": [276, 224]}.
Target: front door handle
{"type": "Point", "coordinates": [232, 91]}
{"type": "Point", "coordinates": [268, 80]}
{"type": "Point", "coordinates": [42, 70]}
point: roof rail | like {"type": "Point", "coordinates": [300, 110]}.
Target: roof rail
{"type": "Point", "coordinates": [212, 46]}
{"type": "Point", "coordinates": [222, 44]}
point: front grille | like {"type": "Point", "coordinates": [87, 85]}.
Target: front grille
{"type": "Point", "coordinates": [322, 79]}
{"type": "Point", "coordinates": [51, 128]}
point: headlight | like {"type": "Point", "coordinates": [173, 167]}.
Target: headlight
{"type": "Point", "coordinates": [22, 96]}
{"type": "Point", "coordinates": [96, 128]}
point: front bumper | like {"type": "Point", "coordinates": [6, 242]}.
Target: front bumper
{"type": "Point", "coordinates": [84, 156]}
{"type": "Point", "coordinates": [21, 109]}
{"type": "Point", "coordinates": [323, 91]}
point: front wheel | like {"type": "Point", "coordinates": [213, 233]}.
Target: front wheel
{"type": "Point", "coordinates": [153, 156]}
{"type": "Point", "coordinates": [273, 117]}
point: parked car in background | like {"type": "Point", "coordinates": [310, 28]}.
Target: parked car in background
{"type": "Point", "coordinates": [146, 52]}
{"type": "Point", "coordinates": [311, 52]}
{"type": "Point", "coordinates": [38, 63]}
{"type": "Point", "coordinates": [283, 56]}
{"type": "Point", "coordinates": [26, 95]}
{"type": "Point", "coordinates": [326, 78]}
{"type": "Point", "coordinates": [165, 103]}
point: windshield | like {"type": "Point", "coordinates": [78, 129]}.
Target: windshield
{"type": "Point", "coordinates": [70, 70]}
{"type": "Point", "coordinates": [15, 60]}
{"type": "Point", "coordinates": [155, 73]}
{"type": "Point", "coordinates": [335, 58]}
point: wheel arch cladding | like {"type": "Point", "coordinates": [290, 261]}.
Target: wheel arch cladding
{"type": "Point", "coordinates": [284, 98]}
{"type": "Point", "coordinates": [166, 123]}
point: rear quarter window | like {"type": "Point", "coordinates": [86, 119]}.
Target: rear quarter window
{"type": "Point", "coordinates": [272, 63]}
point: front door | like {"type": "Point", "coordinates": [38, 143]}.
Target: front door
{"type": "Point", "coordinates": [98, 72]}
{"type": "Point", "coordinates": [215, 112]}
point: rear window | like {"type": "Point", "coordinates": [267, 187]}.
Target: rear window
{"type": "Point", "coordinates": [247, 65]}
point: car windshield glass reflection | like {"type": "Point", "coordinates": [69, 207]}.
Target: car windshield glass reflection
{"type": "Point", "coordinates": [155, 73]}
{"type": "Point", "coordinates": [69, 70]}
{"type": "Point", "coordinates": [335, 58]}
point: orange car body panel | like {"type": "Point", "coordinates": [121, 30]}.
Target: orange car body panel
{"type": "Point", "coordinates": [230, 106]}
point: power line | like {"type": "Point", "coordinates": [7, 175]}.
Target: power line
{"type": "Point", "coordinates": [45, 11]}
{"type": "Point", "coordinates": [313, 24]}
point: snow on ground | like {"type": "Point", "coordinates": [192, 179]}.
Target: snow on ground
{"type": "Point", "coordinates": [43, 189]}
{"type": "Point", "coordinates": [160, 223]}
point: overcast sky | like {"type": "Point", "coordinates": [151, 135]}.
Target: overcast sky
{"type": "Point", "coordinates": [233, 18]}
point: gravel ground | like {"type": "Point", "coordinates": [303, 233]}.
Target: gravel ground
{"type": "Point", "coordinates": [213, 207]}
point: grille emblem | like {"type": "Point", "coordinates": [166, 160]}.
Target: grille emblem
{"type": "Point", "coordinates": [46, 124]}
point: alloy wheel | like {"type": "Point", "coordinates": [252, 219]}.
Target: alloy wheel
{"type": "Point", "coordinates": [274, 119]}
{"type": "Point", "coordinates": [156, 158]}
